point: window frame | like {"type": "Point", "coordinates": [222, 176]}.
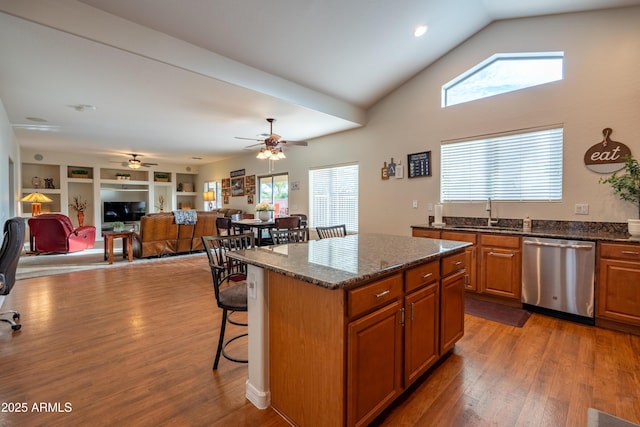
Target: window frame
{"type": "Point", "coordinates": [502, 173]}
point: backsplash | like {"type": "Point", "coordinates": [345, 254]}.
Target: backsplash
{"type": "Point", "coordinates": [560, 226]}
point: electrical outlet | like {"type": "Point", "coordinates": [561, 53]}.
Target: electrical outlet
{"type": "Point", "coordinates": [430, 207]}
{"type": "Point", "coordinates": [251, 288]}
{"type": "Point", "coordinates": [415, 204]}
{"type": "Point", "coordinates": [581, 209]}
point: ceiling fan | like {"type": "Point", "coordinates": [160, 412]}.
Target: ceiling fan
{"type": "Point", "coordinates": [271, 149]}
{"type": "Point", "coordinates": [135, 163]}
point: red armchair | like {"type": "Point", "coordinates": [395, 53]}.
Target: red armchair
{"type": "Point", "coordinates": [55, 233]}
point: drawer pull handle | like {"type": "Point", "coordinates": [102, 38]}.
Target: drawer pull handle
{"type": "Point", "coordinates": [631, 253]}
{"type": "Point", "coordinates": [383, 293]}
{"type": "Point", "coordinates": [501, 255]}
{"type": "Point", "coordinates": [456, 263]}
{"type": "Point", "coordinates": [424, 276]}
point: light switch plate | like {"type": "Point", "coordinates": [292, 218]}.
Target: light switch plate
{"type": "Point", "coordinates": [415, 204]}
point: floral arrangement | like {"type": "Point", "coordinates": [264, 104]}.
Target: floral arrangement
{"type": "Point", "coordinates": [78, 204]}
{"type": "Point", "coordinates": [264, 206]}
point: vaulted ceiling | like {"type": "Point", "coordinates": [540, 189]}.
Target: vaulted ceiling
{"type": "Point", "coordinates": [178, 81]}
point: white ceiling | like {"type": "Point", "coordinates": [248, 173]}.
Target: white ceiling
{"type": "Point", "coordinates": [176, 80]}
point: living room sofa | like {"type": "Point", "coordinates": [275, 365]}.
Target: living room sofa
{"type": "Point", "coordinates": [160, 235]}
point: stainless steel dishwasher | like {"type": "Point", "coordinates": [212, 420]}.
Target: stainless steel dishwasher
{"type": "Point", "coordinates": [558, 277]}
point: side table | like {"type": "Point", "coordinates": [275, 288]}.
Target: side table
{"type": "Point", "coordinates": [127, 244]}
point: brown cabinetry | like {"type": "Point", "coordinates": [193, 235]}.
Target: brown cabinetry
{"type": "Point", "coordinates": [619, 283]}
{"type": "Point", "coordinates": [500, 266]}
{"type": "Point", "coordinates": [471, 261]}
{"type": "Point", "coordinates": [374, 363]}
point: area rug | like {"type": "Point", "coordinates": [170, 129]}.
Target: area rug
{"type": "Point", "coordinates": [32, 265]}
{"type": "Point", "coordinates": [507, 315]}
{"type": "Point", "coordinates": [597, 418]}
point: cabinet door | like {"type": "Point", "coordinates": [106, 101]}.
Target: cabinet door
{"type": "Point", "coordinates": [374, 363]}
{"type": "Point", "coordinates": [619, 291]}
{"type": "Point", "coordinates": [421, 331]}
{"type": "Point", "coordinates": [472, 268]}
{"type": "Point", "coordinates": [452, 306]}
{"type": "Point", "coordinates": [500, 272]}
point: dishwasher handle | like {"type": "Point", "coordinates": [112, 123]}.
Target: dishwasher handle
{"type": "Point", "coordinates": [557, 245]}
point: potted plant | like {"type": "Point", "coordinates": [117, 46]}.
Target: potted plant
{"type": "Point", "coordinates": [264, 210]}
{"type": "Point", "coordinates": [79, 206]}
{"type": "Point", "coordinates": [118, 226]}
{"type": "Point", "coordinates": [626, 186]}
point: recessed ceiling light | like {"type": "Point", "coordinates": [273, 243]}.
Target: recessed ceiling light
{"type": "Point", "coordinates": [420, 31]}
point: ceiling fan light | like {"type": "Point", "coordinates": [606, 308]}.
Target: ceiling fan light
{"type": "Point", "coordinates": [281, 155]}
{"type": "Point", "coordinates": [134, 165]}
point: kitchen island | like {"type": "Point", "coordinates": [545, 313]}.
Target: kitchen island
{"type": "Point", "coordinates": [339, 328]}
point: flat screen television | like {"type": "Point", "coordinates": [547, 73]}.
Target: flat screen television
{"type": "Point", "coordinates": [123, 211]}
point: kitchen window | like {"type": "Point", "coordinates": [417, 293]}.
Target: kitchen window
{"type": "Point", "coordinates": [504, 73]}
{"type": "Point", "coordinates": [523, 165]}
{"type": "Point", "coordinates": [333, 196]}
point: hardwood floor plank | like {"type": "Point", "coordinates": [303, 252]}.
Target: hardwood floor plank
{"type": "Point", "coordinates": [134, 345]}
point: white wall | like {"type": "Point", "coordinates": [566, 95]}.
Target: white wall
{"type": "Point", "coordinates": [8, 152]}
{"type": "Point", "coordinates": [601, 89]}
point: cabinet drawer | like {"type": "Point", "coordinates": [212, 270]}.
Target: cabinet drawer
{"type": "Point", "coordinates": [374, 295]}
{"type": "Point", "coordinates": [460, 237]}
{"type": "Point", "coordinates": [422, 275]}
{"type": "Point", "coordinates": [500, 241]}
{"type": "Point", "coordinates": [620, 251]}
{"type": "Point", "coordinates": [453, 263]}
{"type": "Point", "coordinates": [421, 232]}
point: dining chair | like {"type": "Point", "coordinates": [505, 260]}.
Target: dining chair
{"type": "Point", "coordinates": [286, 222]}
{"type": "Point", "coordinates": [303, 219]}
{"type": "Point", "coordinates": [224, 227]}
{"type": "Point", "coordinates": [229, 285]}
{"type": "Point", "coordinates": [291, 235]}
{"type": "Point", "coordinates": [332, 231]}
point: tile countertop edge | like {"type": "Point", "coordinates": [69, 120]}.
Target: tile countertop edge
{"type": "Point", "coordinates": [350, 279]}
{"type": "Point", "coordinates": [554, 234]}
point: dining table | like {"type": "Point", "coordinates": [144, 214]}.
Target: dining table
{"type": "Point", "coordinates": [254, 224]}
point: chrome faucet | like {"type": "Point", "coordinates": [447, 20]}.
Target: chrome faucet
{"type": "Point", "coordinates": [490, 222]}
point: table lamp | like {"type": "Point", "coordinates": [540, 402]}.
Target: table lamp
{"type": "Point", "coordinates": [36, 199]}
{"type": "Point", "coordinates": [209, 196]}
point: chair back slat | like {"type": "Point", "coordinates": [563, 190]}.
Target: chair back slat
{"type": "Point", "coordinates": [332, 231]}
{"type": "Point", "coordinates": [293, 235]}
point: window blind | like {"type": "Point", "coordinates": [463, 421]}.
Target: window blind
{"type": "Point", "coordinates": [333, 196]}
{"type": "Point", "coordinates": [514, 166]}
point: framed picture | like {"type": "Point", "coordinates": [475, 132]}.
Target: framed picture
{"type": "Point", "coordinates": [237, 186]}
{"type": "Point", "coordinates": [419, 164]}
{"type": "Point", "coordinates": [250, 199]}
{"type": "Point", "coordinates": [225, 200]}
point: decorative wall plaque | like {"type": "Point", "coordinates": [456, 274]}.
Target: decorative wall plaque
{"type": "Point", "coordinates": [419, 164]}
{"type": "Point", "coordinates": [606, 156]}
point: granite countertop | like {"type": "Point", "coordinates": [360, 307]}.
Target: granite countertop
{"type": "Point", "coordinates": [548, 232]}
{"type": "Point", "coordinates": [343, 262]}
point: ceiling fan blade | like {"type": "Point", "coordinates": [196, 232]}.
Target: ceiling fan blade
{"type": "Point", "coordinates": [250, 139]}
{"type": "Point", "coordinates": [149, 164]}
{"type": "Point", "coordinates": [249, 147]}
{"type": "Point", "coordinates": [302, 143]}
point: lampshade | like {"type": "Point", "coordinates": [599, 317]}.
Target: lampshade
{"type": "Point", "coordinates": [36, 199]}
{"type": "Point", "coordinates": [209, 196]}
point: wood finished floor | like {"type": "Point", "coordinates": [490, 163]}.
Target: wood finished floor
{"type": "Point", "coordinates": [133, 346]}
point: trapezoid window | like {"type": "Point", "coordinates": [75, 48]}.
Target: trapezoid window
{"type": "Point", "coordinates": [504, 73]}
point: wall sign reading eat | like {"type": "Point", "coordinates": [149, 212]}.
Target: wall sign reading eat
{"type": "Point", "coordinates": [606, 156]}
